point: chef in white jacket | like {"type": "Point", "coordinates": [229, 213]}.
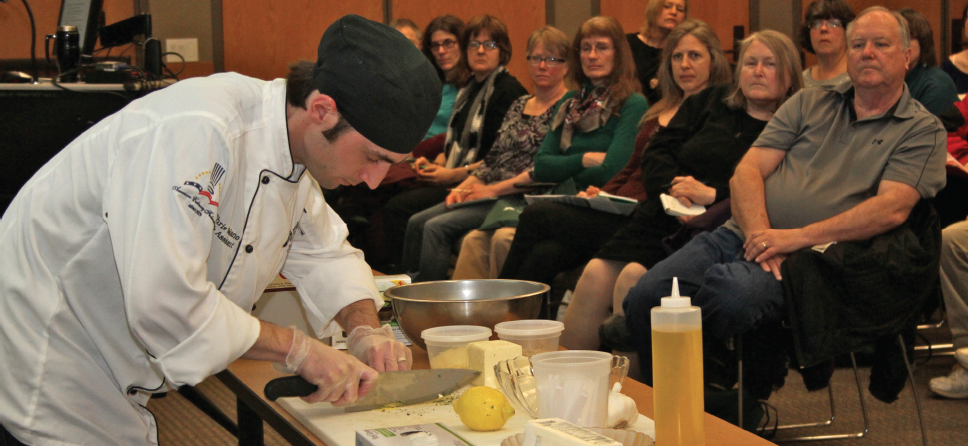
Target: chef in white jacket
{"type": "Point", "coordinates": [131, 260]}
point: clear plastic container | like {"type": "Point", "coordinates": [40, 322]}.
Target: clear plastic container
{"type": "Point", "coordinates": [573, 385]}
{"type": "Point", "coordinates": [447, 346]}
{"type": "Point", "coordinates": [677, 386]}
{"type": "Point", "coordinates": [533, 335]}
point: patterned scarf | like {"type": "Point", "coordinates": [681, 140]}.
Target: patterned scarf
{"type": "Point", "coordinates": [464, 151]}
{"type": "Point", "coordinates": [586, 112]}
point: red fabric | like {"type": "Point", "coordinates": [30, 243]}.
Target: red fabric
{"type": "Point", "coordinates": [957, 145]}
{"type": "Point", "coordinates": [430, 147]}
{"type": "Point", "coordinates": [628, 182]}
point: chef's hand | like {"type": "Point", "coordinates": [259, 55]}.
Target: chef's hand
{"type": "Point", "coordinates": [379, 348]}
{"type": "Point", "coordinates": [342, 379]}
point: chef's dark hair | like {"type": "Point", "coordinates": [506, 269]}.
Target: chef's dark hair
{"type": "Point", "coordinates": [299, 85]}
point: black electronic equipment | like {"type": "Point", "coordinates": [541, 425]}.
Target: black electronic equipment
{"type": "Point", "coordinates": [126, 31]}
{"type": "Point", "coordinates": [84, 15]}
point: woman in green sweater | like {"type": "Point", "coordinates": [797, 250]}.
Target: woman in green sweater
{"type": "Point", "coordinates": [592, 133]}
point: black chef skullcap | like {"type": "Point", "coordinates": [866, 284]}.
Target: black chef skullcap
{"type": "Point", "coordinates": [382, 84]}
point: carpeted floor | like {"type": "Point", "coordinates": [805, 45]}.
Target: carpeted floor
{"type": "Point", "coordinates": [180, 423]}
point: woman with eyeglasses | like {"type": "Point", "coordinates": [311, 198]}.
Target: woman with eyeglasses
{"type": "Point", "coordinates": [592, 133]}
{"type": "Point", "coordinates": [824, 33]}
{"type": "Point", "coordinates": [661, 17]}
{"type": "Point", "coordinates": [432, 233]}
{"type": "Point", "coordinates": [479, 110]}
{"type": "Point", "coordinates": [441, 45]}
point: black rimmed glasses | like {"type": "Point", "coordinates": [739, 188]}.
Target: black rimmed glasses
{"type": "Point", "coordinates": [488, 44]}
{"type": "Point", "coordinates": [446, 44]}
{"type": "Point", "coordinates": [831, 23]}
{"type": "Point", "coordinates": [551, 62]}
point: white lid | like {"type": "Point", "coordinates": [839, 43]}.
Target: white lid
{"type": "Point", "coordinates": [530, 327]}
{"type": "Point", "coordinates": [674, 300]}
{"type": "Point", "coordinates": [456, 333]}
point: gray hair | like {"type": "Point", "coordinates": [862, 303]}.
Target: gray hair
{"type": "Point", "coordinates": [902, 24]}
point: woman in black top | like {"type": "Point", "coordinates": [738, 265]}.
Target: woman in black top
{"type": "Point", "coordinates": [661, 17]}
{"type": "Point", "coordinates": [478, 113]}
{"type": "Point", "coordinates": [696, 153]}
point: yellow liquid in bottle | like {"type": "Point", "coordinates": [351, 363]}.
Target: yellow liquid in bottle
{"type": "Point", "coordinates": [677, 388]}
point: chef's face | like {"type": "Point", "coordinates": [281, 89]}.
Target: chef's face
{"type": "Point", "coordinates": [347, 158]}
{"type": "Point", "coordinates": [350, 159]}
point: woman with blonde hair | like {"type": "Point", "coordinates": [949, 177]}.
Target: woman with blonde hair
{"type": "Point", "coordinates": [661, 17]}
{"type": "Point", "coordinates": [592, 133]}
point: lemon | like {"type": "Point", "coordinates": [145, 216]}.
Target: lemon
{"type": "Point", "coordinates": [482, 408]}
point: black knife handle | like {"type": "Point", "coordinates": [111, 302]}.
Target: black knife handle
{"type": "Point", "coordinates": [289, 386]}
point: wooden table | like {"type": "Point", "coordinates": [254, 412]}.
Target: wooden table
{"type": "Point", "coordinates": [246, 378]}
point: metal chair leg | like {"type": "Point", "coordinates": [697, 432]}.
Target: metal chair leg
{"type": "Point", "coordinates": [863, 410]}
{"type": "Point", "coordinates": [914, 388]}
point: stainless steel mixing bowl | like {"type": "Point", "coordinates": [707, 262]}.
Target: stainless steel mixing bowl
{"type": "Point", "coordinates": [420, 306]}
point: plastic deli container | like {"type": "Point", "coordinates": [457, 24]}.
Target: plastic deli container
{"type": "Point", "coordinates": [447, 346]}
{"type": "Point", "coordinates": [533, 335]}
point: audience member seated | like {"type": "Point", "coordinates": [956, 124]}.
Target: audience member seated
{"type": "Point", "coordinates": [479, 110]}
{"type": "Point", "coordinates": [432, 233]}
{"type": "Point", "coordinates": [823, 33]}
{"type": "Point", "coordinates": [441, 44]}
{"type": "Point", "coordinates": [928, 84]}
{"type": "Point", "coordinates": [695, 154]}
{"type": "Point", "coordinates": [954, 287]}
{"type": "Point", "coordinates": [408, 29]}
{"type": "Point", "coordinates": [592, 133]}
{"type": "Point", "coordinates": [661, 16]}
{"type": "Point", "coordinates": [845, 165]}
{"type": "Point", "coordinates": [956, 65]}
{"type": "Point", "coordinates": [555, 237]}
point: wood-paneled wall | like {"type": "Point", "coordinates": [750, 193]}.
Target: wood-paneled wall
{"type": "Point", "coordinates": [955, 8]}
{"type": "Point", "coordinates": [722, 16]}
{"type": "Point", "coordinates": [15, 24]}
{"type": "Point", "coordinates": [261, 38]}
{"type": "Point", "coordinates": [521, 17]}
{"type": "Point", "coordinates": [930, 8]}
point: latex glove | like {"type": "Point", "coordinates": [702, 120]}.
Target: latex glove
{"type": "Point", "coordinates": [341, 378]}
{"type": "Point", "coordinates": [379, 348]}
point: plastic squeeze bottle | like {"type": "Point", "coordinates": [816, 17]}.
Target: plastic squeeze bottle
{"type": "Point", "coordinates": [677, 371]}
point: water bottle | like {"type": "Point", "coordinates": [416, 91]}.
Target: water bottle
{"type": "Point", "coordinates": [67, 49]}
{"type": "Point", "coordinates": [677, 371]}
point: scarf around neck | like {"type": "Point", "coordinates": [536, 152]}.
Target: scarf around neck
{"type": "Point", "coordinates": [587, 111]}
{"type": "Point", "coordinates": [463, 151]}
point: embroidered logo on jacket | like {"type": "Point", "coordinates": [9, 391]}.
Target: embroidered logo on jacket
{"type": "Point", "coordinates": [204, 201]}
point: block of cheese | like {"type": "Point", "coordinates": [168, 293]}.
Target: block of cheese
{"type": "Point", "coordinates": [483, 355]}
{"type": "Point", "coordinates": [558, 432]}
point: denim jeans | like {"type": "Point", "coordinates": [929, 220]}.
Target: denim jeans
{"type": "Point", "coordinates": [735, 295]}
{"type": "Point", "coordinates": [431, 235]}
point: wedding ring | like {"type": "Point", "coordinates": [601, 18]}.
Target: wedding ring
{"type": "Point", "coordinates": [764, 245]}
{"type": "Point", "coordinates": [401, 359]}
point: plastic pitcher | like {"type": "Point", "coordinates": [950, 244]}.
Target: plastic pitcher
{"type": "Point", "coordinates": [573, 385]}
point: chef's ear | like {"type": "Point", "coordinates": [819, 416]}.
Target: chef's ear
{"type": "Point", "coordinates": [322, 109]}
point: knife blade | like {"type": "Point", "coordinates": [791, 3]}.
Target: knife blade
{"type": "Point", "coordinates": [398, 388]}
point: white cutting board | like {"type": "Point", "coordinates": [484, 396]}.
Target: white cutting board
{"type": "Point", "coordinates": [337, 428]}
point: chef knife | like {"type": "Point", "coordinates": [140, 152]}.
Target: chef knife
{"type": "Point", "coordinates": [397, 388]}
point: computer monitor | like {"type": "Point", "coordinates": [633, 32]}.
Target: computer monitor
{"type": "Point", "coordinates": [84, 15]}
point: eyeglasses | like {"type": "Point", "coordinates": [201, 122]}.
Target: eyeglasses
{"type": "Point", "coordinates": [587, 49]}
{"type": "Point", "coordinates": [551, 62]}
{"type": "Point", "coordinates": [831, 23]}
{"type": "Point", "coordinates": [488, 45]}
{"type": "Point", "coordinates": [446, 44]}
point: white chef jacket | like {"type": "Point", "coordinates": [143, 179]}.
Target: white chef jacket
{"type": "Point", "coordinates": [132, 258]}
